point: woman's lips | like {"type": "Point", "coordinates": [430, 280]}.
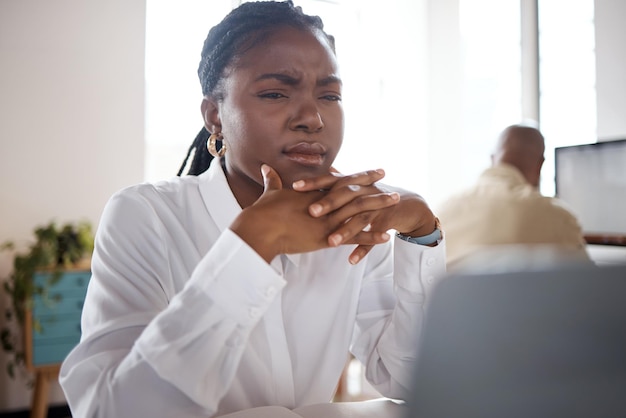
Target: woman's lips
{"type": "Point", "coordinates": [306, 153]}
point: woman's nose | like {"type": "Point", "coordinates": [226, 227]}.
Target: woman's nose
{"type": "Point", "coordinates": [307, 117]}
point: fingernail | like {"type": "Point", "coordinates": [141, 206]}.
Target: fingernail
{"type": "Point", "coordinates": [380, 171]}
{"type": "Point", "coordinates": [265, 169]}
{"type": "Point", "coordinates": [298, 184]}
{"type": "Point", "coordinates": [335, 239]}
{"type": "Point", "coordinates": [315, 209]}
{"type": "Point", "coordinates": [395, 196]}
{"type": "Point", "coordinates": [385, 236]}
{"type": "Point", "coordinates": [353, 259]}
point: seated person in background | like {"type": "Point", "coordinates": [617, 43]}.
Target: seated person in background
{"type": "Point", "coordinates": [248, 285]}
{"type": "Point", "coordinates": [505, 206]}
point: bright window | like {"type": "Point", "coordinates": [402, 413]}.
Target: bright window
{"type": "Point", "coordinates": [175, 32]}
{"type": "Point", "coordinates": [567, 78]}
{"type": "Point", "coordinates": [491, 67]}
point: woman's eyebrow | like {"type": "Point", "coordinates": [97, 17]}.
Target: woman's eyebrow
{"type": "Point", "coordinates": [331, 79]}
{"type": "Point", "coordinates": [292, 81]}
{"type": "Point", "coordinates": [283, 78]}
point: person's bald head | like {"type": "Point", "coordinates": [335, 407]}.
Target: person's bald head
{"type": "Point", "coordinates": [522, 147]}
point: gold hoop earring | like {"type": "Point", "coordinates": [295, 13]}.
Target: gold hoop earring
{"type": "Point", "coordinates": [212, 145]}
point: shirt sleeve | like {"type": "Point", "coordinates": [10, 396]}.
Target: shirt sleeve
{"type": "Point", "coordinates": [180, 346]}
{"type": "Point", "coordinates": [390, 315]}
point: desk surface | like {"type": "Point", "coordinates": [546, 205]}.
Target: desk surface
{"type": "Point", "coordinates": [378, 408]}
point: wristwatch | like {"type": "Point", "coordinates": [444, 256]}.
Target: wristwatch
{"type": "Point", "coordinates": [430, 239]}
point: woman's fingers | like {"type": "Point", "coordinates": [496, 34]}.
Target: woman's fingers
{"type": "Point", "coordinates": [344, 235]}
{"type": "Point", "coordinates": [344, 191]}
{"type": "Point", "coordinates": [359, 253]}
{"type": "Point", "coordinates": [368, 227]}
{"type": "Point", "coordinates": [359, 215]}
{"type": "Point", "coordinates": [335, 179]}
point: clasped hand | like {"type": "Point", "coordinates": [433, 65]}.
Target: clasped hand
{"type": "Point", "coordinates": [327, 211]}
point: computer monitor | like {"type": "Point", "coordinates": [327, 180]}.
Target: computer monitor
{"type": "Point", "coordinates": [591, 179]}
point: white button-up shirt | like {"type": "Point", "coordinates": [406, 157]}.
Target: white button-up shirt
{"type": "Point", "coordinates": [183, 319]}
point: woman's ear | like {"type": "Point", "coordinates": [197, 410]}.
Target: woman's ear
{"type": "Point", "coordinates": [210, 114]}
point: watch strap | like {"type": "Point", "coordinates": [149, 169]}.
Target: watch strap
{"type": "Point", "coordinates": [432, 238]}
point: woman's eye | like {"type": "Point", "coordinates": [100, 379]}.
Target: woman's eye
{"type": "Point", "coordinates": [272, 95]}
{"type": "Point", "coordinates": [332, 97]}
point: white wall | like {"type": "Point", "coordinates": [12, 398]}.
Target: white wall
{"type": "Point", "coordinates": [71, 120]}
{"type": "Point", "coordinates": [611, 68]}
{"type": "Point", "coordinates": [610, 34]}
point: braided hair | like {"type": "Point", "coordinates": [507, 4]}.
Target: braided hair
{"type": "Point", "coordinates": [242, 29]}
{"type": "Point", "coordinates": [201, 157]}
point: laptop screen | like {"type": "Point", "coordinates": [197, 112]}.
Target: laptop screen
{"type": "Point", "coordinates": [549, 343]}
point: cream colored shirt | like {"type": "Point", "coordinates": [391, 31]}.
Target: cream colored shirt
{"type": "Point", "coordinates": [504, 209]}
{"type": "Point", "coordinates": [183, 319]}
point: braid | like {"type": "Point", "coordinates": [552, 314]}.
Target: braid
{"type": "Point", "coordinates": [201, 157]}
{"type": "Point", "coordinates": [243, 28]}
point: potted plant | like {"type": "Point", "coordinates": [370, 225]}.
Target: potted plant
{"type": "Point", "coordinates": [55, 249]}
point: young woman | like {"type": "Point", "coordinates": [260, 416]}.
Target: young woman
{"type": "Point", "coordinates": [248, 284]}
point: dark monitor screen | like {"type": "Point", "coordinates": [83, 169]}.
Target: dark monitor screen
{"type": "Point", "coordinates": [591, 179]}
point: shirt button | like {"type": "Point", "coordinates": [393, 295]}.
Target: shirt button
{"type": "Point", "coordinates": [430, 261]}
{"type": "Point", "coordinates": [254, 312]}
{"type": "Point", "coordinates": [430, 279]}
{"type": "Point", "coordinates": [270, 292]}
{"type": "Point", "coordinates": [234, 341]}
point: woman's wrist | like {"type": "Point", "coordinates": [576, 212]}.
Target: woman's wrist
{"type": "Point", "coordinates": [421, 237]}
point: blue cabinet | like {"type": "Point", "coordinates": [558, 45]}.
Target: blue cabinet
{"type": "Point", "coordinates": [54, 328]}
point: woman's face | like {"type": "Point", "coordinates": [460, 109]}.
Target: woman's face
{"type": "Point", "coordinates": [282, 107]}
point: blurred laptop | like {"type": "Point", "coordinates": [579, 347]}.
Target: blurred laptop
{"type": "Point", "coordinates": [544, 343]}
